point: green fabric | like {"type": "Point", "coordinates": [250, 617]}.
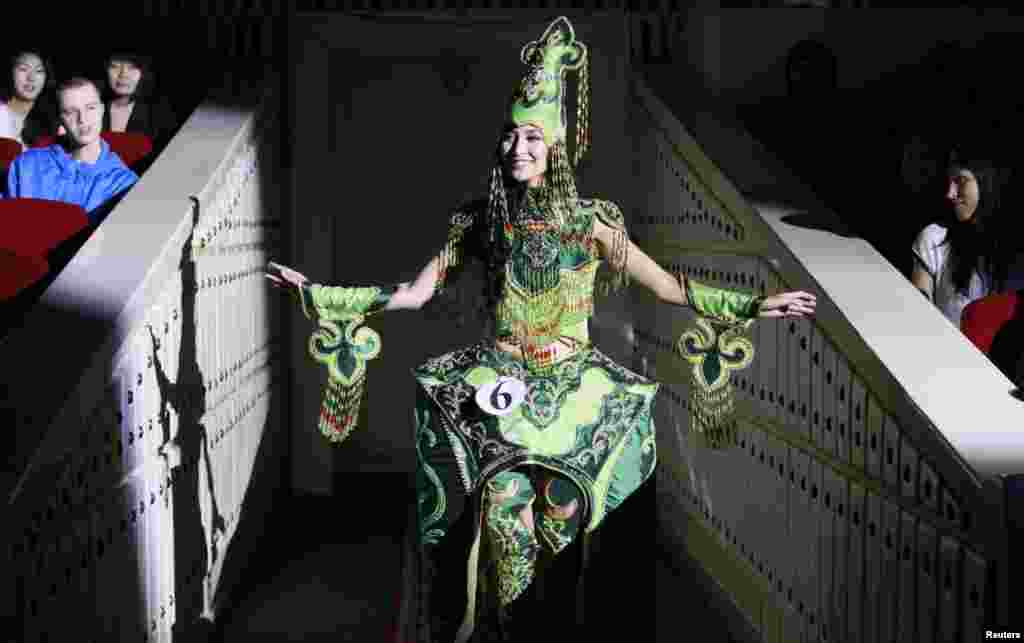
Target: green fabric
{"type": "Point", "coordinates": [540, 97]}
{"type": "Point", "coordinates": [714, 349]}
{"type": "Point", "coordinates": [584, 427]}
{"type": "Point", "coordinates": [722, 305]}
{"type": "Point", "coordinates": [335, 303]}
{"type": "Point", "coordinates": [526, 511]}
{"type": "Point", "coordinates": [585, 422]}
{"type": "Point", "coordinates": [548, 295]}
{"type": "Point", "coordinates": [344, 346]}
{"type": "Point", "coordinates": [550, 275]}
{"type": "Point", "coordinates": [514, 547]}
{"type": "Point", "coordinates": [586, 419]}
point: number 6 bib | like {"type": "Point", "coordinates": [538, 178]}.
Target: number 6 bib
{"type": "Point", "coordinates": [502, 396]}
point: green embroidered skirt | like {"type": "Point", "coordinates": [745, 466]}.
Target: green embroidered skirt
{"type": "Point", "coordinates": [585, 418]}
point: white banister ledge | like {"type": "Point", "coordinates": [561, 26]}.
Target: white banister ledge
{"type": "Point", "coordinates": [952, 383]}
{"type": "Point", "coordinates": [102, 293]}
{"type": "Point", "coordinates": [921, 368]}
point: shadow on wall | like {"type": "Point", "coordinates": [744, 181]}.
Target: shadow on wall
{"type": "Point", "coordinates": [199, 523]}
{"type": "Point", "coordinates": [814, 218]}
{"type": "Point", "coordinates": [203, 537]}
{"type": "Point", "coordinates": [267, 487]}
{"type": "Point", "coordinates": [188, 451]}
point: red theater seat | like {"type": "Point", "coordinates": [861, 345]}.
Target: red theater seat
{"type": "Point", "coordinates": [44, 141]}
{"type": "Point", "coordinates": [18, 272]}
{"type": "Point", "coordinates": [33, 227]}
{"type": "Point", "coordinates": [132, 147]}
{"type": "Point", "coordinates": [9, 150]}
{"type": "Point", "coordinates": [982, 319]}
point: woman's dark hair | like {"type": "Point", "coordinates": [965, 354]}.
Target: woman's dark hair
{"type": "Point", "coordinates": [42, 118]}
{"type": "Point", "coordinates": [51, 74]}
{"type": "Point", "coordinates": [146, 82]}
{"type": "Point", "coordinates": [981, 243]}
{"type": "Point", "coordinates": [490, 248]}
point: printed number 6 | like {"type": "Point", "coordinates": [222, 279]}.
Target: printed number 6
{"type": "Point", "coordinates": [505, 397]}
{"type": "Point", "coordinates": [502, 396]}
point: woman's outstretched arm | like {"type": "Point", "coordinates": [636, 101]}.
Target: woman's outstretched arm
{"type": "Point", "coordinates": [667, 288]}
{"type": "Point", "coordinates": [318, 300]}
{"type": "Point", "coordinates": [415, 295]}
{"type": "Point", "coordinates": [406, 296]}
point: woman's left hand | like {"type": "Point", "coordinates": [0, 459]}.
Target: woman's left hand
{"type": "Point", "coordinates": [284, 277]}
{"type": "Point", "coordinates": [789, 304]}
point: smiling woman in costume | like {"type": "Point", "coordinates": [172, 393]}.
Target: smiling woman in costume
{"type": "Point", "coordinates": [533, 428]}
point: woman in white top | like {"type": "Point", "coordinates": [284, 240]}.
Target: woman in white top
{"type": "Point", "coordinates": [26, 110]}
{"type": "Point", "coordinates": [963, 259]}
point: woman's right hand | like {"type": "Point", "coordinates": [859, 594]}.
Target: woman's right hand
{"type": "Point", "coordinates": [285, 277]}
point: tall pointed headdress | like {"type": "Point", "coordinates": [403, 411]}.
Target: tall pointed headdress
{"type": "Point", "coordinates": [541, 98]}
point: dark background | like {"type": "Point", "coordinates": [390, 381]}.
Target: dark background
{"type": "Point", "coordinates": [877, 154]}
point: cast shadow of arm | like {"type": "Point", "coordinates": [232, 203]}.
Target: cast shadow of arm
{"type": "Point", "coordinates": [187, 398]}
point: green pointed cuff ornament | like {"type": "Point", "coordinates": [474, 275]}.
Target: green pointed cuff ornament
{"type": "Point", "coordinates": [344, 346]}
{"type": "Point", "coordinates": [335, 303]}
{"type": "Point", "coordinates": [728, 306]}
{"type": "Point", "coordinates": [715, 349]}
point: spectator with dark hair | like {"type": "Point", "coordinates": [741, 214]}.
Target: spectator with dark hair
{"type": "Point", "coordinates": [27, 109]}
{"type": "Point", "coordinates": [131, 102]}
{"type": "Point", "coordinates": [965, 257]}
{"type": "Point", "coordinates": [80, 168]}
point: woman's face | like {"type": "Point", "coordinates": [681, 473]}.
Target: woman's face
{"type": "Point", "coordinates": [124, 77]}
{"type": "Point", "coordinates": [29, 75]}
{"type": "Point", "coordinates": [963, 194]}
{"type": "Point", "coordinates": [524, 154]}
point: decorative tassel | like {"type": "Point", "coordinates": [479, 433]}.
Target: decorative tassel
{"type": "Point", "coordinates": [563, 196]}
{"type": "Point", "coordinates": [582, 113]}
{"type": "Point", "coordinates": [344, 347]}
{"type": "Point", "coordinates": [715, 350]}
{"type": "Point", "coordinates": [340, 408]}
{"type": "Point", "coordinates": [450, 259]}
{"type": "Point", "coordinates": [712, 415]}
{"type": "Point", "coordinates": [563, 179]}
{"type": "Point", "coordinates": [611, 216]}
{"type": "Point", "coordinates": [497, 204]}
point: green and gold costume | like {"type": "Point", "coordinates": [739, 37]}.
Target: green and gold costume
{"type": "Point", "coordinates": [581, 440]}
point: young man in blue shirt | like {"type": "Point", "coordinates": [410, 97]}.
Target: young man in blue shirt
{"type": "Point", "coordinates": [80, 168]}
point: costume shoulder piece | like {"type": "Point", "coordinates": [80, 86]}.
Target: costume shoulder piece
{"type": "Point", "coordinates": [456, 299]}
{"type": "Point", "coordinates": [615, 277]}
{"type": "Point", "coordinates": [464, 240]}
{"type": "Point", "coordinates": [609, 214]}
